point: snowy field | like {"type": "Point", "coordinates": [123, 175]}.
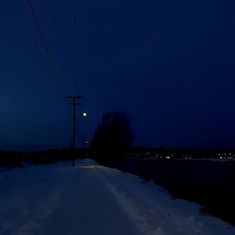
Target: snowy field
{"type": "Point", "coordinates": [94, 200]}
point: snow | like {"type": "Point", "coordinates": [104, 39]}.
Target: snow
{"type": "Point", "coordinates": [92, 199]}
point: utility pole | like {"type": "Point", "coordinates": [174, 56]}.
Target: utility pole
{"type": "Point", "coordinates": [74, 103]}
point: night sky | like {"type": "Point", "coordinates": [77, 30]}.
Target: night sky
{"type": "Point", "coordinates": [169, 64]}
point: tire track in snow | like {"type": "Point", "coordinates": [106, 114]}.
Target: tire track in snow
{"type": "Point", "coordinates": [89, 207]}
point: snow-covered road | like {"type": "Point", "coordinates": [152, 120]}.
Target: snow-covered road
{"type": "Point", "coordinates": [95, 200]}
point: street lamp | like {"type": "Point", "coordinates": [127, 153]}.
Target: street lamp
{"type": "Point", "coordinates": [84, 114]}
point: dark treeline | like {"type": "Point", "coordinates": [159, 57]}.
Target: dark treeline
{"type": "Point", "coordinates": [10, 159]}
{"type": "Point", "coordinates": [113, 137]}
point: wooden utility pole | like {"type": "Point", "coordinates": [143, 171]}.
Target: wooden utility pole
{"type": "Point", "coordinates": [74, 103]}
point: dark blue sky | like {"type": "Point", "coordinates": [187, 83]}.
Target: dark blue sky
{"type": "Point", "coordinates": [170, 64]}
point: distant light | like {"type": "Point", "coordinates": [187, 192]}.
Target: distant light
{"type": "Point", "coordinates": [168, 157]}
{"type": "Point", "coordinates": [84, 114]}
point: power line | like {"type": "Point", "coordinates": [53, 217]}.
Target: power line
{"type": "Point", "coordinates": [53, 42]}
{"type": "Point", "coordinates": [76, 24]}
{"type": "Point", "coordinates": [43, 56]}
{"type": "Point", "coordinates": [41, 40]}
{"type": "Point", "coordinates": [66, 26]}
{"type": "Point", "coordinates": [44, 43]}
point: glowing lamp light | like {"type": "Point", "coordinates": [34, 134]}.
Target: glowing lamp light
{"type": "Point", "coordinates": [84, 114]}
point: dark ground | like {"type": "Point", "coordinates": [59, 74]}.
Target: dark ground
{"type": "Point", "coordinates": [209, 183]}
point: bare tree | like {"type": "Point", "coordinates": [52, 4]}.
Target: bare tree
{"type": "Point", "coordinates": [113, 136]}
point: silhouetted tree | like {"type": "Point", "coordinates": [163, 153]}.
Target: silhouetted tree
{"type": "Point", "coordinates": [113, 136]}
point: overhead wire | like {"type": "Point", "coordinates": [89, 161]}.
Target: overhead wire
{"type": "Point", "coordinates": [77, 49]}
{"type": "Point", "coordinates": [52, 75]}
{"type": "Point", "coordinates": [47, 47]}
{"type": "Point", "coordinates": [76, 26]}
{"type": "Point", "coordinates": [45, 44]}
{"type": "Point", "coordinates": [53, 43]}
{"type": "Point", "coordinates": [69, 45]}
